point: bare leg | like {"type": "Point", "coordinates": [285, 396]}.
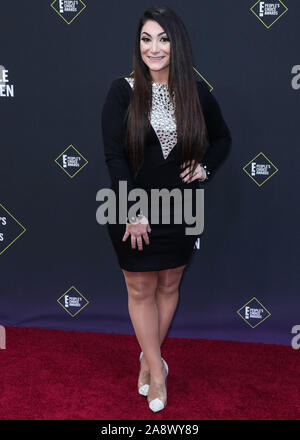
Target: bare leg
{"type": "Point", "coordinates": [141, 287]}
{"type": "Point", "coordinates": [152, 301]}
{"type": "Point", "coordinates": [167, 295]}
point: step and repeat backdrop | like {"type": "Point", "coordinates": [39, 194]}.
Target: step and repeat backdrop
{"type": "Point", "coordinates": [58, 267]}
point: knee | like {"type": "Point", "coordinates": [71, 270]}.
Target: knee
{"type": "Point", "coordinates": [168, 287]}
{"type": "Point", "coordinates": [169, 280]}
{"type": "Point", "coordinates": [141, 291]}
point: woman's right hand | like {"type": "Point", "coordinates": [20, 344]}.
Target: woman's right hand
{"type": "Point", "coordinates": [138, 230]}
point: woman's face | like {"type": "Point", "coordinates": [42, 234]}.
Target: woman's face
{"type": "Point", "coordinates": [155, 47]}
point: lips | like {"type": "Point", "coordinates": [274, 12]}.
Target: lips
{"type": "Point", "coordinates": [156, 58]}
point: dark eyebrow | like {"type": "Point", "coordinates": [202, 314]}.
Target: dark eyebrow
{"type": "Point", "coordinates": [157, 34]}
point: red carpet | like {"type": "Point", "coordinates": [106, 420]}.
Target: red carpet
{"type": "Point", "coordinates": [55, 374]}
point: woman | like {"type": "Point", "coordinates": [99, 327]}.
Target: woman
{"type": "Point", "coordinates": [161, 128]}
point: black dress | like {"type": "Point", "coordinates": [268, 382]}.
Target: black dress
{"type": "Point", "coordinates": [169, 245]}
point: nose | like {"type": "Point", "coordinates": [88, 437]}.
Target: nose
{"type": "Point", "coordinates": [154, 47]}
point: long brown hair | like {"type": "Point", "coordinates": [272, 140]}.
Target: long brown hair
{"type": "Point", "coordinates": [190, 123]}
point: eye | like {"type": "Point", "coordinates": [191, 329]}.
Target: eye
{"type": "Point", "coordinates": [145, 39]}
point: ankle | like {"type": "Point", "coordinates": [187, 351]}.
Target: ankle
{"type": "Point", "coordinates": [157, 390]}
{"type": "Point", "coordinates": [155, 364]}
{"type": "Point", "coordinates": [144, 364]}
{"type": "Point", "coordinates": [158, 374]}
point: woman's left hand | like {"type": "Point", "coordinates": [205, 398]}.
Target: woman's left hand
{"type": "Point", "coordinates": [199, 173]}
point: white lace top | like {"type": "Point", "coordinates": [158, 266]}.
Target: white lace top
{"type": "Point", "coordinates": [162, 116]}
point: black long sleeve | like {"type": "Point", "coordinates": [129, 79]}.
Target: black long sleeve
{"type": "Point", "coordinates": [113, 132]}
{"type": "Point", "coordinates": [219, 135]}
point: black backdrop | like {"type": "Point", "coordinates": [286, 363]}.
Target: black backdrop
{"type": "Point", "coordinates": [58, 267]}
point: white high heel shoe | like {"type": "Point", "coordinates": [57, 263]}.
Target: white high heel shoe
{"type": "Point", "coordinates": [144, 389]}
{"type": "Point", "coordinates": [157, 404]}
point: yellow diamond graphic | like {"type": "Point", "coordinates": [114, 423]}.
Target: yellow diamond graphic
{"type": "Point", "coordinates": [260, 169]}
{"type": "Point", "coordinates": [253, 312]}
{"type": "Point", "coordinates": [268, 12]}
{"type": "Point", "coordinates": [68, 10]}
{"type": "Point", "coordinates": [72, 301]}
{"type": "Point", "coordinates": [71, 161]}
{"type": "Point", "coordinates": [10, 229]}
